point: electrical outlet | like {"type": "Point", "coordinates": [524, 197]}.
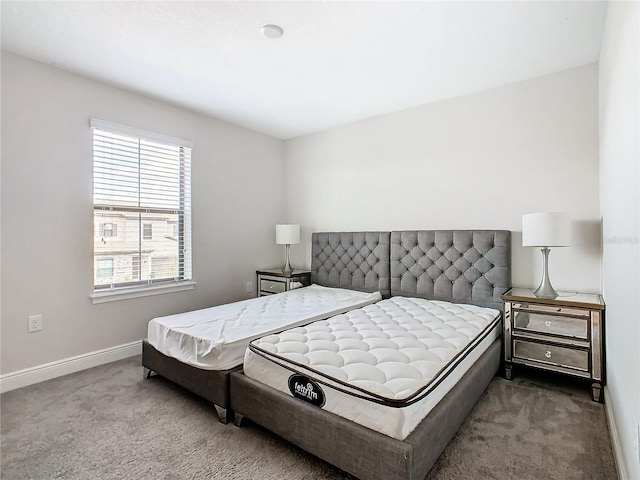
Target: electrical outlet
{"type": "Point", "coordinates": [249, 287]}
{"type": "Point", "coordinates": [34, 323]}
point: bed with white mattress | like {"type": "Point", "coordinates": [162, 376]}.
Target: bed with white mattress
{"type": "Point", "coordinates": [379, 391]}
{"type": "Point", "coordinates": [216, 338]}
{"type": "Point", "coordinates": [383, 366]}
{"type": "Point", "coordinates": [199, 349]}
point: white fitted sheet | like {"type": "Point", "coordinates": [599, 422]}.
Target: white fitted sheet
{"type": "Point", "coordinates": [384, 366]}
{"type": "Point", "coordinates": [215, 338]}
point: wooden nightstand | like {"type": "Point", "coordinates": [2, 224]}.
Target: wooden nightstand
{"type": "Point", "coordinates": [564, 334]}
{"type": "Point", "coordinates": [272, 280]}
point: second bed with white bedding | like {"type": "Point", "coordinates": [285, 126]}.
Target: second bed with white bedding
{"type": "Point", "coordinates": [385, 365]}
{"type": "Point", "coordinates": [216, 338]}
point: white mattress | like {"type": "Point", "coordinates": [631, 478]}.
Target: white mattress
{"type": "Point", "coordinates": [384, 366]}
{"type": "Point", "coordinates": [216, 338]}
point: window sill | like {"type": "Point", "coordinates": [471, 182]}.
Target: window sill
{"type": "Point", "coordinates": [113, 295]}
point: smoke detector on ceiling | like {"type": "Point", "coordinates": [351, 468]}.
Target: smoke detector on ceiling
{"type": "Point", "coordinates": [272, 31]}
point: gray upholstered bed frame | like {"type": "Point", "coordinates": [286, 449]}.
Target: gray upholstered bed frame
{"type": "Point", "coordinates": [353, 260]}
{"type": "Point", "coordinates": [212, 385]}
{"type": "Point", "coordinates": [460, 266]}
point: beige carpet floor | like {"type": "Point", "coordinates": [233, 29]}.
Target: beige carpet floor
{"type": "Point", "coordinates": [110, 423]}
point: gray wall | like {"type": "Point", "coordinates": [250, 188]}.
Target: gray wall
{"type": "Point", "coordinates": [620, 207]}
{"type": "Point", "coordinates": [477, 161]}
{"type": "Point", "coordinates": [47, 222]}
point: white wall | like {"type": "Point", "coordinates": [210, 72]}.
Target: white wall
{"type": "Point", "coordinates": [477, 161]}
{"type": "Point", "coordinates": [620, 207]}
{"type": "Point", "coordinates": [47, 264]}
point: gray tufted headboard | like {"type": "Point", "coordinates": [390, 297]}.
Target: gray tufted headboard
{"type": "Point", "coordinates": [462, 266]}
{"type": "Point", "coordinates": [353, 260]}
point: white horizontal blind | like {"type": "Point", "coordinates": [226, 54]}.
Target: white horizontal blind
{"type": "Point", "coordinates": [141, 208]}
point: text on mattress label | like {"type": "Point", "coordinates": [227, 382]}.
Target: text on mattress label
{"type": "Point", "coordinates": [306, 389]}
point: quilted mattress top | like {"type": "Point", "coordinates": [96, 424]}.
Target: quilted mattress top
{"type": "Point", "coordinates": [215, 338]}
{"type": "Point", "coordinates": [391, 352]}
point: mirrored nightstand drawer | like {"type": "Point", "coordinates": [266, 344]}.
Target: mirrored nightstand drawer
{"type": "Point", "coordinates": [553, 309]}
{"type": "Point", "coordinates": [551, 354]}
{"type": "Point", "coordinates": [552, 324]}
{"type": "Point", "coordinates": [271, 286]}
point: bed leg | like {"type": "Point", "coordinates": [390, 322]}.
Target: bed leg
{"type": "Point", "coordinates": [237, 419]}
{"type": "Point", "coordinates": [146, 373]}
{"type": "Point", "coordinates": [597, 393]}
{"type": "Point", "coordinates": [508, 371]}
{"type": "Point", "coordinates": [224, 415]}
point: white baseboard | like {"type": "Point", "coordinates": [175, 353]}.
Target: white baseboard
{"type": "Point", "coordinates": [615, 439]}
{"type": "Point", "coordinates": [40, 373]}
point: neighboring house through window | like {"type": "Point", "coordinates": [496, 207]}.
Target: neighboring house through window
{"type": "Point", "coordinates": [141, 184]}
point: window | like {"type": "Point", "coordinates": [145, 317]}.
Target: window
{"type": "Point", "coordinates": [108, 230]}
{"type": "Point", "coordinates": [141, 182]}
{"type": "Point", "coordinates": [104, 268]}
{"type": "Point", "coordinates": [135, 266]}
{"type": "Point", "coordinates": [147, 231]}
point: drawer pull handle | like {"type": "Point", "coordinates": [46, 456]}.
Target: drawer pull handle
{"type": "Point", "coordinates": [547, 354]}
{"type": "Point", "coordinates": [547, 323]}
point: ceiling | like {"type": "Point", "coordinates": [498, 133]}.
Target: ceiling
{"type": "Point", "coordinates": [336, 63]}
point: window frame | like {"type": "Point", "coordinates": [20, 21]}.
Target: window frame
{"type": "Point", "coordinates": [113, 229]}
{"type": "Point", "coordinates": [110, 267]}
{"type": "Point", "coordinates": [183, 279]}
{"type": "Point", "coordinates": [147, 231]}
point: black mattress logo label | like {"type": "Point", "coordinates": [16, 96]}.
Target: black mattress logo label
{"type": "Point", "coordinates": [306, 389]}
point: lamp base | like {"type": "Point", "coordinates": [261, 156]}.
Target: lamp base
{"type": "Point", "coordinates": [287, 269]}
{"type": "Point", "coordinates": [545, 290]}
{"type": "Point", "coordinates": [287, 266]}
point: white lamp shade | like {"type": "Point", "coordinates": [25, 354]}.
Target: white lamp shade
{"type": "Point", "coordinates": [551, 229]}
{"type": "Point", "coordinates": [287, 234]}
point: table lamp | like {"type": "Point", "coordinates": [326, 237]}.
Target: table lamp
{"type": "Point", "coordinates": [545, 230]}
{"type": "Point", "coordinates": [287, 235]}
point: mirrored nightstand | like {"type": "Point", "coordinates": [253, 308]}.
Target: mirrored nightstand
{"type": "Point", "coordinates": [563, 334]}
{"type": "Point", "coordinates": [273, 280]}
